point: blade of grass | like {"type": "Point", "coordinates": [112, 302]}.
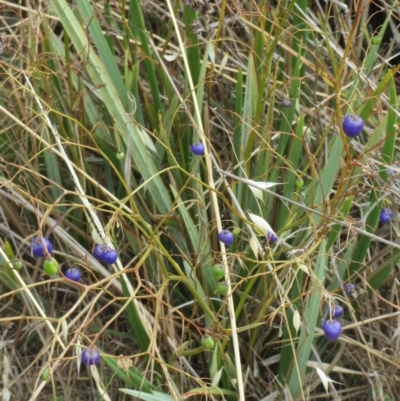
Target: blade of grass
{"type": "Point", "coordinates": [136, 21]}
{"type": "Point", "coordinates": [311, 317]}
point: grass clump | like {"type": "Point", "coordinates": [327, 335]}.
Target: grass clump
{"type": "Point", "coordinates": [135, 134]}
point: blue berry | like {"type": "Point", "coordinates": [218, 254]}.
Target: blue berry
{"type": "Point", "coordinates": [352, 125]}
{"type": "Point", "coordinates": [226, 237]}
{"type": "Point", "coordinates": [41, 247]}
{"type": "Point", "coordinates": [337, 311]}
{"type": "Point", "coordinates": [332, 329]}
{"type": "Point", "coordinates": [73, 273]}
{"type": "Point", "coordinates": [286, 102]}
{"type": "Point", "coordinates": [389, 172]}
{"type": "Point", "coordinates": [110, 255]}
{"type": "Point", "coordinates": [104, 253]}
{"type": "Point", "coordinates": [197, 148]}
{"type": "Point", "coordinates": [349, 288]}
{"type": "Point", "coordinates": [90, 356]}
{"type": "Point", "coordinates": [98, 252]}
{"type": "Point", "coordinates": [271, 237]}
{"type": "Point", "coordinates": [386, 215]}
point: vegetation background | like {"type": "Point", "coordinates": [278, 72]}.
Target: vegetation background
{"type": "Point", "coordinates": [99, 104]}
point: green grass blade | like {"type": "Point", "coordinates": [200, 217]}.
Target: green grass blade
{"type": "Point", "coordinates": [311, 318]}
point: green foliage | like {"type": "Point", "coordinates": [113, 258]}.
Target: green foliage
{"type": "Point", "coordinates": [99, 104]}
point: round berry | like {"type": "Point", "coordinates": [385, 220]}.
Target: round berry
{"type": "Point", "coordinates": [197, 148]}
{"type": "Point", "coordinates": [332, 329]}
{"type": "Point", "coordinates": [222, 289]}
{"type": "Point", "coordinates": [90, 356]}
{"type": "Point", "coordinates": [386, 215]}
{"type": "Point", "coordinates": [207, 342]}
{"type": "Point", "coordinates": [98, 252]}
{"type": "Point", "coordinates": [226, 237]}
{"type": "Point", "coordinates": [299, 183]}
{"type": "Point", "coordinates": [50, 266]}
{"type": "Point", "coordinates": [17, 265]}
{"type": "Point", "coordinates": [218, 272]}
{"type": "Point", "coordinates": [352, 125]}
{"type": "Point", "coordinates": [110, 255]}
{"type": "Point", "coordinates": [271, 237]}
{"type": "Point", "coordinates": [389, 172]}
{"type": "Point", "coordinates": [349, 288]}
{"type": "Point", "coordinates": [73, 273]}
{"type": "Point", "coordinates": [46, 374]}
{"type": "Point", "coordinates": [337, 311]}
{"type": "Point", "coordinates": [286, 102]}
{"type": "Point", "coordinates": [41, 246]}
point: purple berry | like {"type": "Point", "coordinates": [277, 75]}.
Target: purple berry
{"type": "Point", "coordinates": [386, 215]}
{"type": "Point", "coordinates": [349, 288]}
{"type": "Point", "coordinates": [286, 102]}
{"type": "Point", "coordinates": [271, 237]}
{"type": "Point", "coordinates": [197, 148]}
{"type": "Point", "coordinates": [41, 246]}
{"type": "Point", "coordinates": [337, 311]}
{"type": "Point", "coordinates": [226, 237]}
{"type": "Point", "coordinates": [352, 125]}
{"type": "Point", "coordinates": [389, 172]}
{"type": "Point", "coordinates": [73, 273]}
{"type": "Point", "coordinates": [90, 356]}
{"type": "Point", "coordinates": [332, 329]}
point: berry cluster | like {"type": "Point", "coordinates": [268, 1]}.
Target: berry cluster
{"type": "Point", "coordinates": [42, 247]}
{"type": "Point", "coordinates": [218, 273]}
{"type": "Point", "coordinates": [332, 327]}
{"type": "Point", "coordinates": [105, 254]}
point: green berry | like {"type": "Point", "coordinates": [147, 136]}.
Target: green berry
{"type": "Point", "coordinates": [218, 272]}
{"type": "Point", "coordinates": [222, 289]}
{"type": "Point", "coordinates": [236, 231]}
{"type": "Point", "coordinates": [17, 265]}
{"type": "Point", "coordinates": [299, 183]}
{"type": "Point", "coordinates": [207, 342]}
{"type": "Point", "coordinates": [50, 266]}
{"type": "Point", "coordinates": [46, 374]}
{"type": "Point", "coordinates": [120, 155]}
